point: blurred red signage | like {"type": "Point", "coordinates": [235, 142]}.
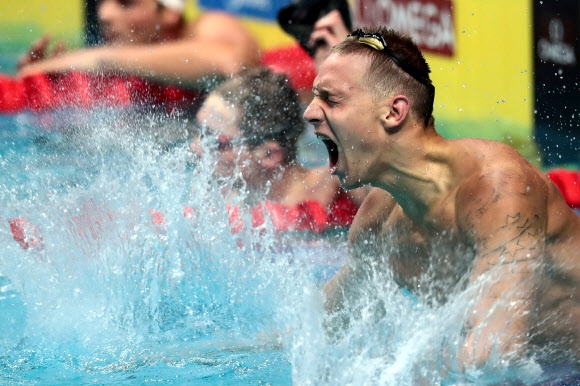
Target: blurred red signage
{"type": "Point", "coordinates": [428, 22]}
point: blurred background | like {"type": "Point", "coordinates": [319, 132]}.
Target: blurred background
{"type": "Point", "coordinates": [503, 70]}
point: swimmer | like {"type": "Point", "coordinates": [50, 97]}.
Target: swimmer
{"type": "Point", "coordinates": [152, 39]}
{"type": "Point", "coordinates": [252, 123]}
{"type": "Point", "coordinates": [502, 227]}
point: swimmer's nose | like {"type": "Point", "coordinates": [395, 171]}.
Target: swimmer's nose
{"type": "Point", "coordinates": [195, 146]}
{"type": "Point", "coordinates": [313, 114]}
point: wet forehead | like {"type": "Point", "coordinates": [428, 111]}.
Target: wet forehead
{"type": "Point", "coordinates": [218, 117]}
{"type": "Point", "coordinates": [342, 74]}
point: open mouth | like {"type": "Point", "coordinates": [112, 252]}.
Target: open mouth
{"type": "Point", "coordinates": [332, 152]}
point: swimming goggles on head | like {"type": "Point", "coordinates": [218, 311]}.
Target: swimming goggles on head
{"type": "Point", "coordinates": [377, 42]}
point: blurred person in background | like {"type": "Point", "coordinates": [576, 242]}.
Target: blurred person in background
{"type": "Point", "coordinates": [317, 25]}
{"type": "Point", "coordinates": [251, 123]}
{"type": "Point", "coordinates": [151, 39]}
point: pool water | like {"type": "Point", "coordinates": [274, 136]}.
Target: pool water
{"type": "Point", "coordinates": [111, 297]}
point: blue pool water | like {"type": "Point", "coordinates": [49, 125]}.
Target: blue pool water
{"type": "Point", "coordinates": [112, 298]}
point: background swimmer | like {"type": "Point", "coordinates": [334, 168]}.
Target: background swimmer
{"type": "Point", "coordinates": [252, 123]}
{"type": "Point", "coordinates": [152, 39]}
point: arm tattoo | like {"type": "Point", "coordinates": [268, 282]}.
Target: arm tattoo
{"type": "Point", "coordinates": [525, 235]}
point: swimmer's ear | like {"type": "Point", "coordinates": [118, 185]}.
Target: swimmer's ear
{"type": "Point", "coordinates": [271, 154]}
{"type": "Point", "coordinates": [395, 112]}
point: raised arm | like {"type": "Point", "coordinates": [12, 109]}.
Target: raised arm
{"type": "Point", "coordinates": [505, 217]}
{"type": "Point", "coordinates": [39, 51]}
{"type": "Point", "coordinates": [334, 289]}
{"type": "Point", "coordinates": [216, 44]}
{"type": "Point", "coordinates": [376, 208]}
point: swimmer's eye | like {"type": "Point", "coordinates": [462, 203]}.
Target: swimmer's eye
{"type": "Point", "coordinates": [324, 96]}
{"type": "Point", "coordinates": [223, 143]}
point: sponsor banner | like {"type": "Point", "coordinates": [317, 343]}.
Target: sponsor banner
{"type": "Point", "coordinates": [556, 77]}
{"type": "Point", "coordinates": [428, 22]}
{"type": "Point", "coordinates": [263, 9]}
{"type": "Point", "coordinates": [556, 34]}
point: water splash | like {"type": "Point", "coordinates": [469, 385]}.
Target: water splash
{"type": "Point", "coordinates": [114, 296]}
{"type": "Point", "coordinates": [112, 291]}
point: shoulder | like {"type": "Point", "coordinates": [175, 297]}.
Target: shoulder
{"type": "Point", "coordinates": [504, 185]}
{"type": "Point", "coordinates": [497, 169]}
{"type": "Point", "coordinates": [225, 36]}
{"type": "Point", "coordinates": [213, 16]}
{"type": "Point", "coordinates": [215, 22]}
{"type": "Point", "coordinates": [504, 172]}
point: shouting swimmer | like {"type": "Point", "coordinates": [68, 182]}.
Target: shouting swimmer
{"type": "Point", "coordinates": [501, 224]}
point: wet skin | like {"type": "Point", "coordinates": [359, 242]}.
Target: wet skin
{"type": "Point", "coordinates": [444, 211]}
